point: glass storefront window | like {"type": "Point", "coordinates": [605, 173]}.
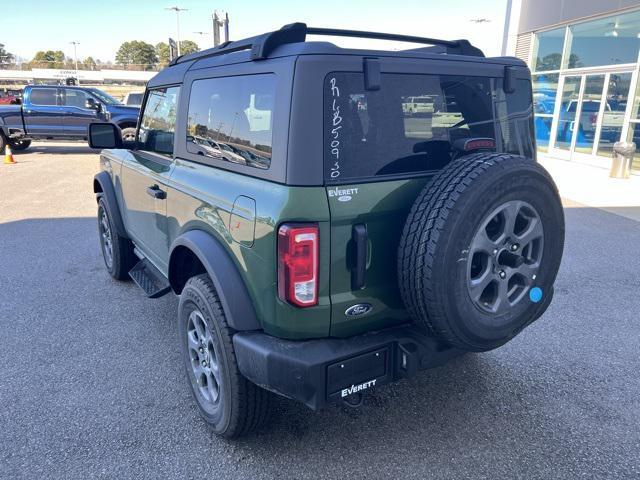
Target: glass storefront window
{"type": "Point", "coordinates": [545, 88]}
{"type": "Point", "coordinates": [607, 41]}
{"type": "Point", "coordinates": [613, 115]}
{"type": "Point", "coordinates": [589, 113]}
{"type": "Point", "coordinates": [543, 132]}
{"type": "Point", "coordinates": [547, 50]}
{"type": "Point", "coordinates": [568, 106]}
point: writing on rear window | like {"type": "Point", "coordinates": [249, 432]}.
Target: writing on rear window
{"type": "Point", "coordinates": [415, 122]}
{"type": "Point", "coordinates": [335, 126]}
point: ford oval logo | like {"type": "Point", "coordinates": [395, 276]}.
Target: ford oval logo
{"type": "Point", "coordinates": [357, 310]}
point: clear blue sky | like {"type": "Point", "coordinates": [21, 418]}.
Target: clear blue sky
{"type": "Point", "coordinates": [101, 26]}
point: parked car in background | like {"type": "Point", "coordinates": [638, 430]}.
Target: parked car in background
{"type": "Point", "coordinates": [418, 105]}
{"type": "Point", "coordinates": [133, 99]}
{"type": "Point", "coordinates": [612, 120]}
{"type": "Point", "coordinates": [10, 96]}
{"type": "Point", "coordinates": [56, 112]}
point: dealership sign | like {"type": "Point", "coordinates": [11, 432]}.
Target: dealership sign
{"type": "Point", "coordinates": [88, 75]}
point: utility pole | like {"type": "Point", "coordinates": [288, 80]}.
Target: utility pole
{"type": "Point", "coordinates": [216, 29]}
{"type": "Point", "coordinates": [505, 31]}
{"type": "Point", "coordinates": [75, 54]}
{"type": "Point", "coordinates": [177, 10]}
{"type": "Point", "coordinates": [226, 26]}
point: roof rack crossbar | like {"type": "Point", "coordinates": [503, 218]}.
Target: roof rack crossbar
{"type": "Point", "coordinates": [380, 36]}
{"type": "Point", "coordinates": [262, 45]}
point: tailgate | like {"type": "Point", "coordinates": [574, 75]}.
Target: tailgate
{"type": "Point", "coordinates": [364, 290]}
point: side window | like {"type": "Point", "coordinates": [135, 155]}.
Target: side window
{"type": "Point", "coordinates": [74, 98]}
{"type": "Point", "coordinates": [158, 124]}
{"type": "Point", "coordinates": [43, 96]}
{"type": "Point", "coordinates": [231, 119]}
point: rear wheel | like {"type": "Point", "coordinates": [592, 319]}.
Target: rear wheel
{"type": "Point", "coordinates": [481, 249]}
{"type": "Point", "coordinates": [229, 403]}
{"type": "Point", "coordinates": [20, 145]}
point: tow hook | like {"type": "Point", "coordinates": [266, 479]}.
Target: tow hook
{"type": "Point", "coordinates": [354, 400]}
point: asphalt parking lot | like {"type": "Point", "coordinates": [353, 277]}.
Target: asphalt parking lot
{"type": "Point", "coordinates": [91, 383]}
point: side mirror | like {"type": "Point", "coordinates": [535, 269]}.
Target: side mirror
{"type": "Point", "coordinates": [104, 135]}
{"type": "Point", "coordinates": [91, 104]}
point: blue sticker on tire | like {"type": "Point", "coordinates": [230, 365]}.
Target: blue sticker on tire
{"type": "Point", "coordinates": [535, 294]}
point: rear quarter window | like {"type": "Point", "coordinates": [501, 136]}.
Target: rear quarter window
{"type": "Point", "coordinates": [231, 119]}
{"type": "Point", "coordinates": [410, 123]}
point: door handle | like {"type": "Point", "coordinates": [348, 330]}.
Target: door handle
{"type": "Point", "coordinates": [155, 192]}
{"type": "Point", "coordinates": [360, 240]}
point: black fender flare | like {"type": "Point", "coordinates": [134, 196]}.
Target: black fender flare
{"type": "Point", "coordinates": [109, 194]}
{"type": "Point", "coordinates": [224, 274]}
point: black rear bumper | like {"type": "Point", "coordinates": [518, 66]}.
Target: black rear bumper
{"type": "Point", "coordinates": [321, 371]}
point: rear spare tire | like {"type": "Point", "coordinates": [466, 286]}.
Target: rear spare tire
{"type": "Point", "coordinates": [481, 248]}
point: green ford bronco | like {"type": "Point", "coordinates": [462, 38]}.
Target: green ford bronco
{"type": "Point", "coordinates": [332, 219]}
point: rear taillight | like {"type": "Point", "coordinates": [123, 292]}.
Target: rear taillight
{"type": "Point", "coordinates": [298, 264]}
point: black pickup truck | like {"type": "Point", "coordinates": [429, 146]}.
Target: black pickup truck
{"type": "Point", "coordinates": [54, 112]}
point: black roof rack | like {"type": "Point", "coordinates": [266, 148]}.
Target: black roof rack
{"type": "Point", "coordinates": [262, 45]}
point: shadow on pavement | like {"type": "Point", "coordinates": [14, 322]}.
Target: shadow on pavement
{"type": "Point", "coordinates": [70, 149]}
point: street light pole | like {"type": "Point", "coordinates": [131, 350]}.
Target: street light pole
{"type": "Point", "coordinates": [75, 54]}
{"type": "Point", "coordinates": [177, 10]}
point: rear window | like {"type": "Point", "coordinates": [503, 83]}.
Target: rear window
{"type": "Point", "coordinates": [410, 123]}
{"type": "Point", "coordinates": [43, 96]}
{"type": "Point", "coordinates": [231, 119]}
{"type": "Point", "coordinates": [134, 99]}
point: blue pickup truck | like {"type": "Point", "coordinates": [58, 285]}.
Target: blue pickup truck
{"type": "Point", "coordinates": [55, 112]}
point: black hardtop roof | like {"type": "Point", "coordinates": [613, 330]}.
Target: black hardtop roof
{"type": "Point", "coordinates": [290, 41]}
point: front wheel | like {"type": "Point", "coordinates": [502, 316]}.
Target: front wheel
{"type": "Point", "coordinates": [229, 403]}
{"type": "Point", "coordinates": [117, 251]}
{"type": "Point", "coordinates": [20, 145]}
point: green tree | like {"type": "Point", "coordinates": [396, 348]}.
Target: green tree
{"type": "Point", "coordinates": [5, 57]}
{"type": "Point", "coordinates": [89, 63]}
{"type": "Point", "coordinates": [48, 59]}
{"type": "Point", "coordinates": [186, 47]}
{"type": "Point", "coordinates": [162, 52]}
{"type": "Point", "coordinates": [138, 53]}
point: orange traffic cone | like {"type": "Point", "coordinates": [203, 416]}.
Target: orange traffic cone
{"type": "Point", "coordinates": [8, 155]}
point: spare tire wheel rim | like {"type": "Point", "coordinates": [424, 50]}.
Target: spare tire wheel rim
{"type": "Point", "coordinates": [504, 257]}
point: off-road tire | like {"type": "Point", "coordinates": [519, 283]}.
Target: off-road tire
{"type": "Point", "coordinates": [242, 406]}
{"type": "Point", "coordinates": [433, 255]}
{"type": "Point", "coordinates": [20, 145]}
{"type": "Point", "coordinates": [123, 258]}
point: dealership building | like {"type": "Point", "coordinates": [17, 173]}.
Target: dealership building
{"type": "Point", "coordinates": [584, 60]}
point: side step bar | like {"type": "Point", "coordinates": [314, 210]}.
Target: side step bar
{"type": "Point", "coordinates": [149, 279]}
